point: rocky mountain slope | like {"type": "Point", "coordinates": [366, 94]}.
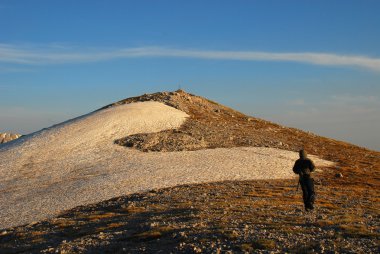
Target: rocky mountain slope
{"type": "Point", "coordinates": [6, 137]}
{"type": "Point", "coordinates": [257, 216]}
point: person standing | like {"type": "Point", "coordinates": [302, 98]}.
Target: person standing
{"type": "Point", "coordinates": [303, 167]}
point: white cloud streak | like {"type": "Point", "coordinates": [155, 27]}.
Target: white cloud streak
{"type": "Point", "coordinates": [297, 102]}
{"type": "Point", "coordinates": [52, 55]}
{"type": "Point", "coordinates": [347, 99]}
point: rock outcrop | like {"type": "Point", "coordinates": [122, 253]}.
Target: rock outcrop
{"type": "Point", "coordinates": [6, 137]}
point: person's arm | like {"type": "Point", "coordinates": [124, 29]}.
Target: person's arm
{"type": "Point", "coordinates": [296, 169]}
{"type": "Point", "coordinates": [312, 166]}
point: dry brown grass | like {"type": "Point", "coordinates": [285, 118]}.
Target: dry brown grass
{"type": "Point", "coordinates": [38, 240]}
{"type": "Point", "coordinates": [325, 223]}
{"type": "Point", "coordinates": [149, 235]}
{"type": "Point", "coordinates": [264, 244]}
{"type": "Point", "coordinates": [358, 231]}
{"type": "Point", "coordinates": [154, 233]}
{"type": "Point", "coordinates": [133, 209]}
{"type": "Point", "coordinates": [65, 223]}
{"type": "Point", "coordinates": [229, 234]}
{"type": "Point", "coordinates": [101, 216]}
{"type": "Point", "coordinates": [115, 225]}
{"type": "Point", "coordinates": [205, 213]}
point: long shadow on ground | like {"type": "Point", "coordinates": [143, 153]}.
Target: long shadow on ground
{"type": "Point", "coordinates": [214, 217]}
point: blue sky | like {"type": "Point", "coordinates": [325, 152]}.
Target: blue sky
{"type": "Point", "coordinates": [311, 65]}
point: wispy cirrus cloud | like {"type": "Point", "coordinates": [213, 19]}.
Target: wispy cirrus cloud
{"type": "Point", "coordinates": [297, 102]}
{"type": "Point", "coordinates": [348, 98]}
{"type": "Point", "coordinates": [339, 108]}
{"type": "Point", "coordinates": [59, 55]}
{"type": "Point", "coordinates": [14, 69]}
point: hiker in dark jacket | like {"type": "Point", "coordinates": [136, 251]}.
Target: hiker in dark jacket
{"type": "Point", "coordinates": [303, 167]}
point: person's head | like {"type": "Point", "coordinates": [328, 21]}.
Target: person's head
{"type": "Point", "coordinates": [302, 154]}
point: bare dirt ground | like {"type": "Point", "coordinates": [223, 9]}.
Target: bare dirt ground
{"type": "Point", "coordinates": [259, 216]}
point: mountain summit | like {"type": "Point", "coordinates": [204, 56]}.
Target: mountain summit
{"type": "Point", "coordinates": [212, 125]}
{"type": "Point", "coordinates": [177, 172]}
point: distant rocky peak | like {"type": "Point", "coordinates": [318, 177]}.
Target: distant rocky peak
{"type": "Point", "coordinates": [6, 137]}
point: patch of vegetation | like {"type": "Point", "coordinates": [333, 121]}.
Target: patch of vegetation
{"type": "Point", "coordinates": [230, 234]}
{"type": "Point", "coordinates": [212, 216]}
{"type": "Point", "coordinates": [153, 234]}
{"type": "Point", "coordinates": [264, 244]}
{"type": "Point", "coordinates": [246, 247]}
{"type": "Point", "coordinates": [307, 248]}
{"type": "Point", "coordinates": [358, 231]}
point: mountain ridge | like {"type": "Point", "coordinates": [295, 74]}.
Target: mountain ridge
{"type": "Point", "coordinates": [206, 113]}
{"type": "Point", "coordinates": [227, 215]}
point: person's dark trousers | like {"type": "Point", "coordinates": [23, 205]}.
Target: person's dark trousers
{"type": "Point", "coordinates": [307, 184]}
